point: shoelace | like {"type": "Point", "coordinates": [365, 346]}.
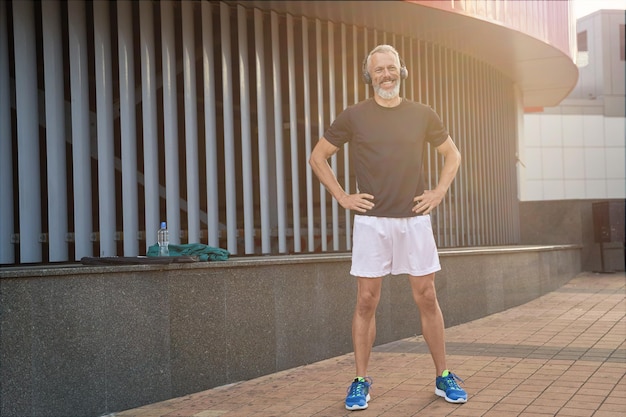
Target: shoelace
{"type": "Point", "coordinates": [451, 381]}
{"type": "Point", "coordinates": [356, 388]}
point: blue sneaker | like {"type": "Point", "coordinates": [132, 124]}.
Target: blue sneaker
{"type": "Point", "coordinates": [358, 394]}
{"type": "Point", "coordinates": [446, 387]}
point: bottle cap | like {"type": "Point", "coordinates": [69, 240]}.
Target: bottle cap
{"type": "Point", "coordinates": [163, 225]}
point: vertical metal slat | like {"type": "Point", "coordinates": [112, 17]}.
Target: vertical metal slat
{"type": "Point", "coordinates": [128, 128]}
{"type": "Point", "coordinates": [104, 127]}
{"type": "Point", "coordinates": [278, 135]}
{"type": "Point", "coordinates": [191, 123]}
{"type": "Point", "coordinates": [489, 139]}
{"type": "Point", "coordinates": [461, 139]}
{"type": "Point", "coordinates": [170, 120]}
{"type": "Point", "coordinates": [208, 67]}
{"type": "Point", "coordinates": [456, 123]}
{"type": "Point", "coordinates": [55, 132]}
{"type": "Point", "coordinates": [320, 126]}
{"type": "Point", "coordinates": [346, 152]}
{"type": "Point", "coordinates": [306, 97]}
{"type": "Point", "coordinates": [293, 136]}
{"type": "Point", "coordinates": [81, 137]}
{"type": "Point", "coordinates": [471, 146]}
{"type": "Point", "coordinates": [331, 117]}
{"type": "Point", "coordinates": [149, 114]}
{"type": "Point", "coordinates": [480, 134]}
{"type": "Point", "coordinates": [7, 250]}
{"type": "Point", "coordinates": [229, 132]}
{"type": "Point", "coordinates": [439, 105]}
{"type": "Point", "coordinates": [27, 131]}
{"type": "Point", "coordinates": [246, 146]}
{"type": "Point", "coordinates": [365, 52]}
{"type": "Point", "coordinates": [262, 128]}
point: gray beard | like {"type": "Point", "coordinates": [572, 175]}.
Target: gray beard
{"type": "Point", "coordinates": [387, 95]}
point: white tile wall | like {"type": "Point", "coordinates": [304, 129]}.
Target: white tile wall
{"type": "Point", "coordinates": [616, 188]}
{"type": "Point", "coordinates": [554, 190]}
{"type": "Point", "coordinates": [532, 131]}
{"type": "Point", "coordinates": [575, 190]}
{"type": "Point", "coordinates": [533, 162]}
{"type": "Point", "coordinates": [533, 190]}
{"type": "Point", "coordinates": [593, 130]}
{"type": "Point", "coordinates": [552, 163]}
{"type": "Point", "coordinates": [615, 163]}
{"type": "Point", "coordinates": [595, 163]}
{"type": "Point", "coordinates": [572, 157]}
{"type": "Point", "coordinates": [615, 131]}
{"type": "Point", "coordinates": [551, 131]}
{"type": "Point", "coordinates": [573, 163]}
{"type": "Point", "coordinates": [572, 130]}
{"type": "Point", "coordinates": [595, 188]}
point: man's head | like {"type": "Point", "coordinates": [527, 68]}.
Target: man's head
{"type": "Point", "coordinates": [384, 70]}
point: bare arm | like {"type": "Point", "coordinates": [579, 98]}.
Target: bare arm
{"type": "Point", "coordinates": [319, 163]}
{"type": "Point", "coordinates": [428, 201]}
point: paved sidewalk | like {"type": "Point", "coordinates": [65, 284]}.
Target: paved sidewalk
{"type": "Point", "coordinates": [563, 354]}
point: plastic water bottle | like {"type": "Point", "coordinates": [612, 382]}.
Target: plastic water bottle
{"type": "Point", "coordinates": [163, 239]}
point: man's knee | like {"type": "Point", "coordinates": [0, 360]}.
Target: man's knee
{"type": "Point", "coordinates": [424, 293]}
{"type": "Point", "coordinates": [368, 294]}
{"type": "Point", "coordinates": [367, 302]}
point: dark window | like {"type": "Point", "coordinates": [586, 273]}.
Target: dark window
{"type": "Point", "coordinates": [622, 42]}
{"type": "Point", "coordinates": [581, 39]}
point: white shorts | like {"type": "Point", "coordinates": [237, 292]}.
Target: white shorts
{"type": "Point", "coordinates": [385, 245]}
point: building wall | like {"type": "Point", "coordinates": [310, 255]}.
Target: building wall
{"type": "Point", "coordinates": [203, 113]}
{"type": "Point", "coordinates": [577, 150]}
{"type": "Point", "coordinates": [602, 73]}
{"type": "Point", "coordinates": [572, 222]}
{"type": "Point", "coordinates": [550, 22]}
{"type": "Point", "coordinates": [88, 341]}
{"type": "Point", "coordinates": [573, 152]}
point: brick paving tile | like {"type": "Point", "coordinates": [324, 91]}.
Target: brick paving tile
{"type": "Point", "coordinates": [617, 398]}
{"type": "Point", "coordinates": [517, 400]}
{"type": "Point", "coordinates": [616, 408]}
{"type": "Point", "coordinates": [462, 412]}
{"type": "Point", "coordinates": [608, 414]}
{"type": "Point", "coordinates": [542, 409]}
{"type": "Point", "coordinates": [551, 401]}
{"type": "Point", "coordinates": [554, 356]}
{"type": "Point", "coordinates": [508, 407]}
{"type": "Point", "coordinates": [573, 412]}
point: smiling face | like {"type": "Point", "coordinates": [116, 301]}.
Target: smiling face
{"type": "Point", "coordinates": [384, 69]}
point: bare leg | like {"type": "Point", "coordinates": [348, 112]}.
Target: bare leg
{"type": "Point", "coordinates": [425, 297]}
{"type": "Point", "coordinates": [364, 321]}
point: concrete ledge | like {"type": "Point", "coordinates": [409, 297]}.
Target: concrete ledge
{"type": "Point", "coordinates": [246, 261]}
{"type": "Point", "coordinates": [86, 341]}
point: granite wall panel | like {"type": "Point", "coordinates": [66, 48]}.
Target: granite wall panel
{"type": "Point", "coordinates": [197, 329]}
{"type": "Point", "coordinates": [137, 338]}
{"type": "Point", "coordinates": [69, 345]}
{"type": "Point", "coordinates": [249, 327]}
{"type": "Point", "coordinates": [16, 337]}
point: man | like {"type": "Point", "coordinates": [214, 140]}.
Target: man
{"type": "Point", "coordinates": [392, 230]}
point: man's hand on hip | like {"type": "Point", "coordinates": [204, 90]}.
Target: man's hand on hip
{"type": "Point", "coordinates": [357, 202]}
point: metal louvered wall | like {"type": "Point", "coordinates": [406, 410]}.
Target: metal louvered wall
{"type": "Point", "coordinates": [115, 116]}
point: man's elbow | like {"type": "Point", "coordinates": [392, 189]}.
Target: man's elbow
{"type": "Point", "coordinates": [453, 156]}
{"type": "Point", "coordinates": [457, 157]}
{"type": "Point", "coordinates": [315, 161]}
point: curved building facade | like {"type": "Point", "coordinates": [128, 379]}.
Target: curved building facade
{"type": "Point", "coordinates": [117, 116]}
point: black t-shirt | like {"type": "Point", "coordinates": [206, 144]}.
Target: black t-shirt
{"type": "Point", "coordinates": [387, 146]}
